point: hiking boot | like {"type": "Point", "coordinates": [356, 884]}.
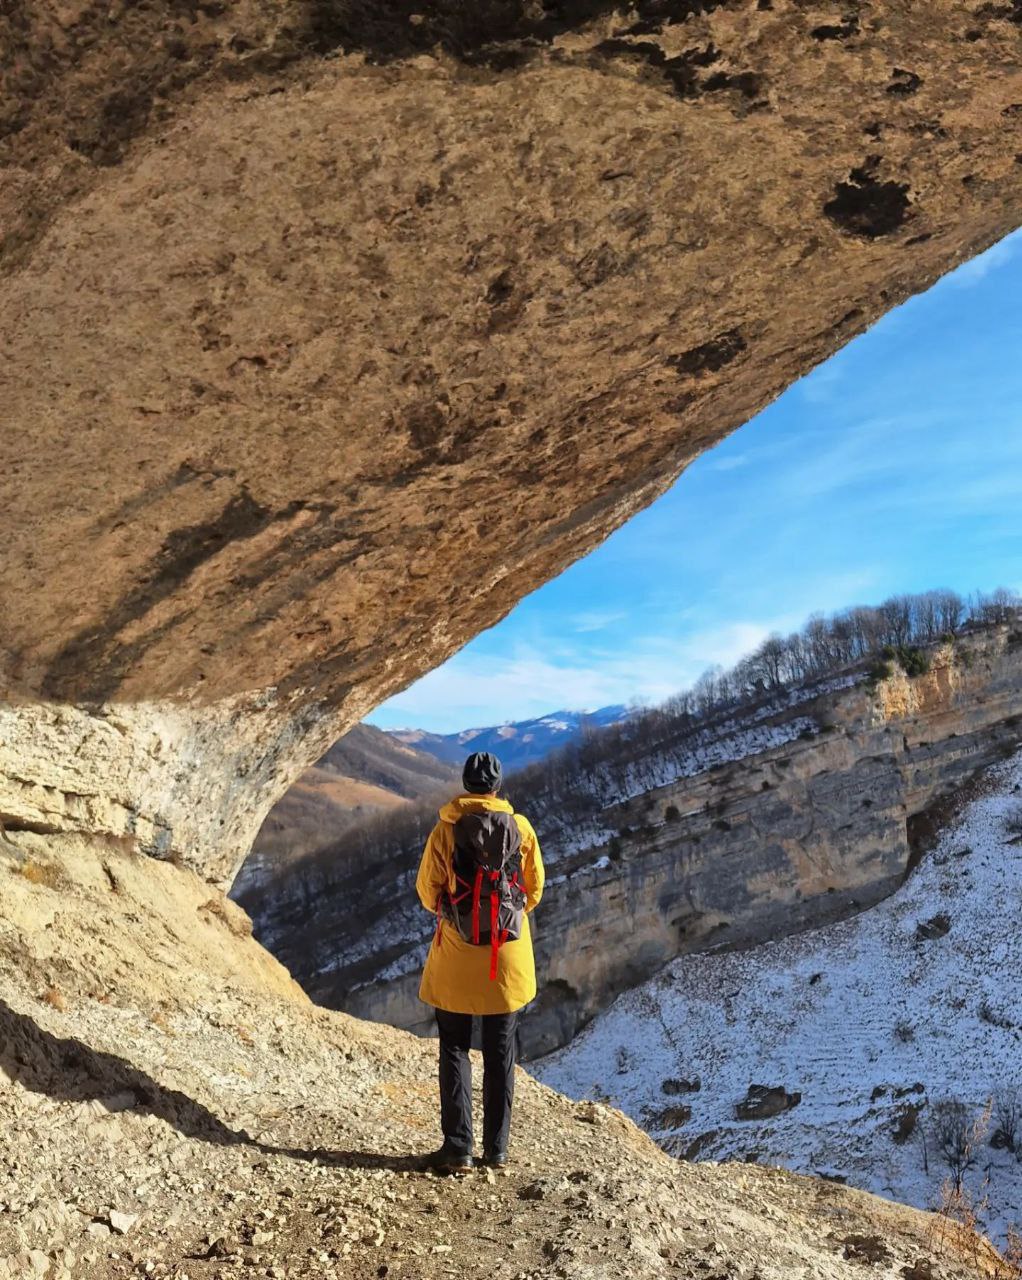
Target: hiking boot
{"type": "Point", "coordinates": [495, 1159]}
{"type": "Point", "coordinates": [447, 1160]}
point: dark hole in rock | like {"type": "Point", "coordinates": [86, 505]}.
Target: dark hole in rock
{"type": "Point", "coordinates": [679, 70]}
{"type": "Point", "coordinates": [709, 357]}
{"type": "Point", "coordinates": [499, 34]}
{"type": "Point", "coordinates": [868, 208]}
{"type": "Point", "coordinates": [904, 82]}
{"type": "Point", "coordinates": [501, 288]}
{"type": "Point", "coordinates": [748, 83]}
{"type": "Point", "coordinates": [848, 26]}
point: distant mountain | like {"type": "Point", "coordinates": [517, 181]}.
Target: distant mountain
{"type": "Point", "coordinates": [518, 743]}
{"type": "Point", "coordinates": [371, 756]}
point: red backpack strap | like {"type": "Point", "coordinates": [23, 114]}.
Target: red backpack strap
{"type": "Point", "coordinates": [497, 936]}
{"type": "Point", "coordinates": [476, 890]}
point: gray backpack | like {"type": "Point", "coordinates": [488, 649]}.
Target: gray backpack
{"type": "Point", "coordinates": [489, 898]}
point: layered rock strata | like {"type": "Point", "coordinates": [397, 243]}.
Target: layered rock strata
{"type": "Point", "coordinates": [816, 812]}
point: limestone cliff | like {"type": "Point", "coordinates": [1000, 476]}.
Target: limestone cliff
{"type": "Point", "coordinates": [298, 302]}
{"type": "Point", "coordinates": [813, 814]}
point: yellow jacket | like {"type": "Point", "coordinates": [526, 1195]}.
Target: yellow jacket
{"type": "Point", "coordinates": [456, 976]}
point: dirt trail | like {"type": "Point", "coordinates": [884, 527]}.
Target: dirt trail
{"type": "Point", "coordinates": [173, 1106]}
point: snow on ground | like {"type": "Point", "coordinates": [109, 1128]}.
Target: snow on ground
{"type": "Point", "coordinates": [838, 1014]}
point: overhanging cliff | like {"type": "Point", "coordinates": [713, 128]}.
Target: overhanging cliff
{"type": "Point", "coordinates": [328, 330]}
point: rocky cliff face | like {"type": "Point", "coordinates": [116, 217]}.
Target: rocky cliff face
{"type": "Point", "coordinates": [813, 813]}
{"type": "Point", "coordinates": [298, 301]}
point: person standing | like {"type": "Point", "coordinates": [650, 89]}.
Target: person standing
{"type": "Point", "coordinates": [481, 875]}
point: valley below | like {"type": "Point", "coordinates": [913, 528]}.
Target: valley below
{"type": "Point", "coordinates": [840, 1051]}
{"type": "Point", "coordinates": [799, 810]}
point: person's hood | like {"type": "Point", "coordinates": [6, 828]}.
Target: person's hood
{"type": "Point", "coordinates": [454, 809]}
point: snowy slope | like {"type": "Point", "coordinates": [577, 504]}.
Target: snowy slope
{"type": "Point", "coordinates": [839, 1014]}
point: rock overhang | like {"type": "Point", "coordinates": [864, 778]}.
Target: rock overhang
{"type": "Point", "coordinates": [348, 325]}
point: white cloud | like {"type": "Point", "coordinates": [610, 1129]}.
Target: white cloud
{"type": "Point", "coordinates": [729, 462]}
{"type": "Point", "coordinates": [594, 620]}
{"type": "Point", "coordinates": [474, 688]}
{"type": "Point", "coordinates": [976, 269]}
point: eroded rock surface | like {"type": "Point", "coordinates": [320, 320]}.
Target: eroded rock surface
{"type": "Point", "coordinates": [328, 330]}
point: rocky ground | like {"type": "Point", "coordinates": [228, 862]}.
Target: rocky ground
{"type": "Point", "coordinates": [173, 1106]}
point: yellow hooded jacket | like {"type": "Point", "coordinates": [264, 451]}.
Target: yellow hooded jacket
{"type": "Point", "coordinates": [456, 976]}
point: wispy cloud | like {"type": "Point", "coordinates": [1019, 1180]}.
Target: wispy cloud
{"type": "Point", "coordinates": [971, 273]}
{"type": "Point", "coordinates": [595, 620]}
{"type": "Point", "coordinates": [729, 462]}
{"type": "Point", "coordinates": [474, 688]}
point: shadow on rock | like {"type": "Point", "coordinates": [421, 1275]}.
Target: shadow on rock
{"type": "Point", "coordinates": [68, 1070]}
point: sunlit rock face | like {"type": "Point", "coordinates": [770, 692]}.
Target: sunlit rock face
{"type": "Point", "coordinates": [327, 331]}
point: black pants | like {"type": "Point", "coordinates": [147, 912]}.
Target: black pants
{"type": "Point", "coordinates": [499, 1056]}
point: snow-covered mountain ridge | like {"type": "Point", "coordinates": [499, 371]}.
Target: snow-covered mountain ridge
{"type": "Point", "coordinates": [871, 1022]}
{"type": "Point", "coordinates": [516, 742]}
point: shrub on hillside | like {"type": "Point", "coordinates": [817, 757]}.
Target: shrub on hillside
{"type": "Point", "coordinates": [956, 1134]}
{"type": "Point", "coordinates": [914, 662]}
{"type": "Point", "coordinates": [1007, 1112]}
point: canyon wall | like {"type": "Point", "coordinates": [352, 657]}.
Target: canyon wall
{"type": "Point", "coordinates": [304, 307]}
{"type": "Point", "coordinates": [815, 815]}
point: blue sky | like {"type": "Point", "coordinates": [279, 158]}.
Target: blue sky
{"type": "Point", "coordinates": [895, 466]}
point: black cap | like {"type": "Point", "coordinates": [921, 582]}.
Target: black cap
{"type": "Point", "coordinates": [481, 774]}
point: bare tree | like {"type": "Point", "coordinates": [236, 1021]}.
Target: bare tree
{"type": "Point", "coordinates": [951, 611]}
{"type": "Point", "coordinates": [956, 1135]}
{"type": "Point", "coordinates": [1007, 1109]}
{"type": "Point", "coordinates": [896, 612]}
